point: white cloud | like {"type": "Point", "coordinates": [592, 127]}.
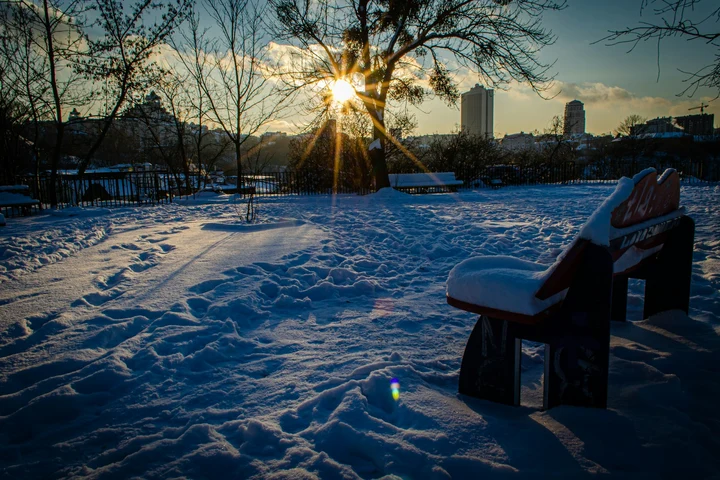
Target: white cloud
{"type": "Point", "coordinates": [283, 126]}
{"type": "Point", "coordinates": [590, 93]}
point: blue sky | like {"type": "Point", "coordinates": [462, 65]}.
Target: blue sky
{"type": "Point", "coordinates": [611, 82]}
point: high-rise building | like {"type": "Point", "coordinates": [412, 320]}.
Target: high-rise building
{"type": "Point", "coordinates": [476, 111]}
{"type": "Point", "coordinates": [574, 118]}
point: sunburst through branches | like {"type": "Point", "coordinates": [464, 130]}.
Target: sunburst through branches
{"type": "Point", "coordinates": [342, 91]}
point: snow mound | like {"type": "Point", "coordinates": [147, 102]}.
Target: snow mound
{"type": "Point", "coordinates": [79, 212]}
{"type": "Point", "coordinates": [388, 193]}
{"type": "Point", "coordinates": [253, 227]}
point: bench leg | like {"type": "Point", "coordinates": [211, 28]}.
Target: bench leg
{"type": "Point", "coordinates": [576, 361]}
{"type": "Point", "coordinates": [490, 367]}
{"type": "Point", "coordinates": [667, 286]}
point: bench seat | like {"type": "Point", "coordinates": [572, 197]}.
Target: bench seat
{"type": "Point", "coordinates": [16, 200]}
{"type": "Point", "coordinates": [501, 283]}
{"type": "Point", "coordinates": [17, 197]}
{"type": "Point", "coordinates": [416, 181]}
{"type": "Point", "coordinates": [422, 183]}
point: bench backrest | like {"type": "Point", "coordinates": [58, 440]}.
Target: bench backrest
{"type": "Point", "coordinates": [17, 189]}
{"type": "Point", "coordinates": [650, 198]}
{"type": "Point", "coordinates": [635, 214]}
{"type": "Point", "coordinates": [423, 179]}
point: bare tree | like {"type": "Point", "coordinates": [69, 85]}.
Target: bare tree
{"type": "Point", "coordinates": [123, 55]}
{"type": "Point", "coordinates": [235, 91]}
{"type": "Point", "coordinates": [174, 94]}
{"type": "Point", "coordinates": [48, 42]}
{"type": "Point", "coordinates": [463, 153]}
{"type": "Point", "coordinates": [192, 62]}
{"type": "Point", "coordinates": [385, 46]}
{"type": "Point", "coordinates": [329, 159]}
{"type": "Point", "coordinates": [692, 20]}
{"type": "Point", "coordinates": [14, 112]}
{"type": "Point", "coordinates": [558, 149]}
{"type": "Point", "coordinates": [625, 127]}
{"type": "Point", "coordinates": [159, 121]}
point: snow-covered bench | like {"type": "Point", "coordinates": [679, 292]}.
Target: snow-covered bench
{"type": "Point", "coordinates": [639, 231]}
{"type": "Point", "coordinates": [425, 182]}
{"type": "Point", "coordinates": [16, 198]}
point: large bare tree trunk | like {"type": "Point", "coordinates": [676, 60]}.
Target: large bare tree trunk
{"type": "Point", "coordinates": [377, 157]}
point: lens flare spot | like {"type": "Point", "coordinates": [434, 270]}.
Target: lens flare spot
{"type": "Point", "coordinates": [342, 91]}
{"type": "Point", "coordinates": [395, 389]}
{"type": "Point", "coordinates": [383, 307]}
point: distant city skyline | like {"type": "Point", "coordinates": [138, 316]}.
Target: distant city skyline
{"type": "Point", "coordinates": [609, 81]}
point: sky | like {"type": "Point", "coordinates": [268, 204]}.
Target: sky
{"type": "Point", "coordinates": [611, 82]}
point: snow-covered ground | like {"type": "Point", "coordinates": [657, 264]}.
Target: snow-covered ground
{"type": "Point", "coordinates": [174, 341]}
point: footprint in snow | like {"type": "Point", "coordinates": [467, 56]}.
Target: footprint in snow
{"type": "Point", "coordinates": [206, 286]}
{"type": "Point", "coordinates": [107, 282]}
{"type": "Point", "coordinates": [167, 248]}
{"type": "Point", "coordinates": [141, 267]}
{"type": "Point", "coordinates": [157, 240]}
{"type": "Point", "coordinates": [126, 246]}
{"type": "Point", "coordinates": [97, 299]}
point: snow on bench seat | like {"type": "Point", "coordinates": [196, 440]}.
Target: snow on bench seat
{"type": "Point", "coordinates": [16, 197]}
{"type": "Point", "coordinates": [15, 189]}
{"type": "Point", "coordinates": [501, 283]}
{"type": "Point", "coordinates": [16, 200]}
{"type": "Point", "coordinates": [424, 180]}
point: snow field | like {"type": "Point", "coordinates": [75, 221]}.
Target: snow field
{"type": "Point", "coordinates": [171, 341]}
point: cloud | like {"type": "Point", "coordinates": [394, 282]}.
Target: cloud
{"type": "Point", "coordinates": [590, 93]}
{"type": "Point", "coordinates": [286, 126]}
{"type": "Point", "coordinates": [519, 108]}
{"type": "Point", "coordinates": [596, 96]}
{"type": "Point", "coordinates": [600, 96]}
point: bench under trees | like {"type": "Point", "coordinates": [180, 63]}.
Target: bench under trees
{"type": "Point", "coordinates": [16, 199]}
{"type": "Point", "coordinates": [425, 182]}
{"type": "Point", "coordinates": [639, 231]}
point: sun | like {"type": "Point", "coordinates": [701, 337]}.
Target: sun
{"type": "Point", "coordinates": [342, 91]}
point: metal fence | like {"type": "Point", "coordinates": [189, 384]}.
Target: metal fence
{"type": "Point", "coordinates": [156, 187]}
{"type": "Point", "coordinates": [691, 172]}
{"type": "Point", "coordinates": [114, 189]}
{"type": "Point", "coordinates": [303, 183]}
{"type": "Point", "coordinates": [294, 183]}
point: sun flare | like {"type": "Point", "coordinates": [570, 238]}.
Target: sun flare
{"type": "Point", "coordinates": [342, 91]}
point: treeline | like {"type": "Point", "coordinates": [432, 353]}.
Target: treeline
{"type": "Point", "coordinates": [472, 158]}
{"type": "Point", "coordinates": [76, 77]}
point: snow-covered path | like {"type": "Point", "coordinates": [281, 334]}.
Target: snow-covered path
{"type": "Point", "coordinates": [173, 342]}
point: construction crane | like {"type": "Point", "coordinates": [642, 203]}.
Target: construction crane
{"type": "Point", "coordinates": [701, 107]}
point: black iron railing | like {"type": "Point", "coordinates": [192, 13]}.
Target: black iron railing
{"type": "Point", "coordinates": [157, 187]}
{"type": "Point", "coordinates": [115, 189]}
